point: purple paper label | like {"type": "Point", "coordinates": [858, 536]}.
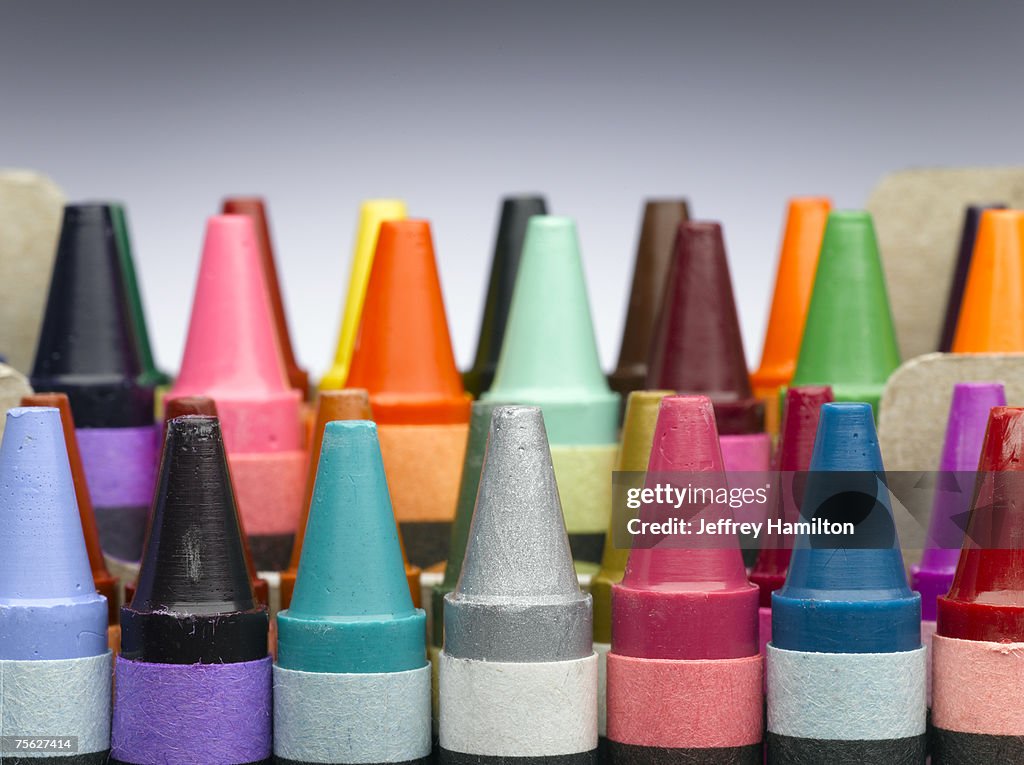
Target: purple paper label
{"type": "Point", "coordinates": [120, 464]}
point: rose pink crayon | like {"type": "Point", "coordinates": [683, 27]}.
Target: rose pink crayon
{"type": "Point", "coordinates": [684, 671]}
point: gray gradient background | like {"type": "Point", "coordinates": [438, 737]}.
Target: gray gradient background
{"type": "Point", "coordinates": [169, 106]}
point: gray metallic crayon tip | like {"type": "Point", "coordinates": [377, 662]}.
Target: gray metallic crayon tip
{"type": "Point", "coordinates": [518, 599]}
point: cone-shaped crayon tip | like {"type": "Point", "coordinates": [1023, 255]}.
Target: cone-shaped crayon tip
{"type": "Point", "coordinates": [87, 347]}
{"type": "Point", "coordinates": [965, 433]}
{"type": "Point", "coordinates": [658, 230]}
{"type": "Point", "coordinates": [508, 247]}
{"type": "Point", "coordinates": [351, 610]}
{"type": "Point", "coordinates": [686, 581]}
{"type": "Point", "coordinates": [847, 593]}
{"type": "Point", "coordinates": [348, 404]}
{"type": "Point", "coordinates": [697, 346]}
{"type": "Point", "coordinates": [231, 353]}
{"type": "Point", "coordinates": [49, 607]}
{"type": "Point", "coordinates": [794, 278]}
{"type": "Point", "coordinates": [849, 341]}
{"type": "Point", "coordinates": [151, 376]}
{"type": "Point", "coordinates": [403, 354]}
{"type": "Point", "coordinates": [472, 465]}
{"type": "Point", "coordinates": [549, 357]}
{"type": "Point", "coordinates": [793, 460]}
{"type": "Point", "coordinates": [518, 598]}
{"type": "Point", "coordinates": [993, 301]}
{"type": "Point", "coordinates": [634, 453]}
{"type": "Point", "coordinates": [372, 213]}
{"type": "Point", "coordinates": [256, 209]}
{"type": "Point", "coordinates": [986, 600]}
{"type": "Point", "coordinates": [194, 600]}
{"type": "Point", "coordinates": [968, 236]}
{"type": "Point", "coordinates": [106, 584]}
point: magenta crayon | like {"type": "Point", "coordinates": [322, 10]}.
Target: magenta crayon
{"type": "Point", "coordinates": [684, 672]}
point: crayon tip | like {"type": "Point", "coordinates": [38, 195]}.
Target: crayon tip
{"type": "Point", "coordinates": [697, 346]}
{"type": "Point", "coordinates": [965, 251]}
{"type": "Point", "coordinates": [849, 341]}
{"type": "Point", "coordinates": [403, 353]}
{"type": "Point", "coordinates": [351, 568]}
{"type": "Point", "coordinates": [635, 451]}
{"type": "Point", "coordinates": [549, 356]}
{"type": "Point", "coordinates": [106, 584]}
{"type": "Point", "coordinates": [372, 213]}
{"type": "Point", "coordinates": [661, 219]}
{"type": "Point", "coordinates": [151, 376]}
{"type": "Point", "coordinates": [255, 208]}
{"type": "Point", "coordinates": [837, 586]}
{"type": "Point", "coordinates": [508, 247]}
{"type": "Point", "coordinates": [194, 599]}
{"type": "Point", "coordinates": [87, 347]}
{"type": "Point", "coordinates": [965, 433]}
{"type": "Point", "coordinates": [49, 607]}
{"type": "Point", "coordinates": [518, 598]}
{"type": "Point", "coordinates": [794, 278]}
{"type": "Point", "coordinates": [231, 353]}
{"type": "Point", "coordinates": [986, 600]}
{"type": "Point", "coordinates": [993, 297]}
{"type": "Point", "coordinates": [796, 444]}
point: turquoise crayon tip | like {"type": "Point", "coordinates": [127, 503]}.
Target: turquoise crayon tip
{"type": "Point", "coordinates": [846, 592]}
{"type": "Point", "coordinates": [549, 355]}
{"type": "Point", "coordinates": [49, 607]}
{"type": "Point", "coordinates": [351, 610]}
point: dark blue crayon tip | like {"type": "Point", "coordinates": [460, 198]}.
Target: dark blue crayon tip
{"type": "Point", "coordinates": [847, 592]}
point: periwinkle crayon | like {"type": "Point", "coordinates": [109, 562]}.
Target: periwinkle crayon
{"type": "Point", "coordinates": [518, 675]}
{"type": "Point", "coordinates": [978, 647]}
{"type": "Point", "coordinates": [685, 677]}
{"type": "Point", "coordinates": [846, 668]}
{"type": "Point", "coordinates": [89, 351]}
{"type": "Point", "coordinates": [661, 219]}
{"type": "Point", "coordinates": [549, 359]}
{"type": "Point", "coordinates": [965, 434]}
{"type": "Point", "coordinates": [352, 680]}
{"type": "Point", "coordinates": [232, 356]}
{"type": "Point", "coordinates": [193, 677]}
{"type": "Point", "coordinates": [516, 212]}
{"type": "Point", "coordinates": [54, 660]}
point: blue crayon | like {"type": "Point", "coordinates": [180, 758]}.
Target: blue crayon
{"type": "Point", "coordinates": [846, 668]}
{"type": "Point", "coordinates": [55, 667]}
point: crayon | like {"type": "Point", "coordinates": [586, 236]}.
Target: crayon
{"type": "Point", "coordinates": [846, 668]}
{"type": "Point", "coordinates": [54, 659]}
{"type": "Point", "coordinates": [634, 453]}
{"type": "Point", "coordinates": [347, 404]}
{"type": "Point", "coordinates": [518, 675]}
{"type": "Point", "coordinates": [965, 251]}
{"type": "Point", "coordinates": [684, 674]}
{"type": "Point", "coordinates": [794, 278]}
{"type": "Point", "coordinates": [256, 209]}
{"type": "Point", "coordinates": [13, 387]}
{"type": "Point", "coordinates": [403, 357]}
{"type": "Point", "coordinates": [549, 359]}
{"type": "Point", "coordinates": [993, 301]}
{"type": "Point", "coordinates": [106, 585]}
{"type": "Point", "coordinates": [849, 342]}
{"type": "Point", "coordinates": [151, 376]}
{"type": "Point", "coordinates": [977, 715]}
{"type": "Point", "coordinates": [508, 247]}
{"type": "Point", "coordinates": [372, 213]}
{"type": "Point", "coordinates": [352, 681]}
{"type": "Point", "coordinates": [654, 249]}
{"type": "Point", "coordinates": [231, 355]}
{"type": "Point", "coordinates": [193, 680]}
{"type": "Point", "coordinates": [961, 449]}
{"type": "Point", "coordinates": [793, 459]}
{"type": "Point", "coordinates": [88, 350]}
